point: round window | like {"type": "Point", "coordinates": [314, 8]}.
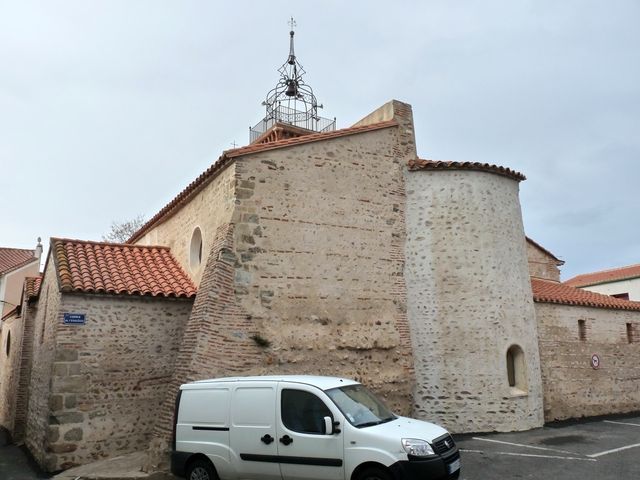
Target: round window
{"type": "Point", "coordinates": [195, 255]}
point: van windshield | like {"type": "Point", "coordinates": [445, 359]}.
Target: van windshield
{"type": "Point", "coordinates": [361, 407]}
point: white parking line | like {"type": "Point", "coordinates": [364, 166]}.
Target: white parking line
{"type": "Point", "coordinates": [525, 446]}
{"type": "Point", "coordinates": [622, 423]}
{"type": "Point", "coordinates": [607, 452]}
{"type": "Point", "coordinates": [557, 457]}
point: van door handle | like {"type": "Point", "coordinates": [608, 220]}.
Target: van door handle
{"type": "Point", "coordinates": [267, 439]}
{"type": "Point", "coordinates": [286, 440]}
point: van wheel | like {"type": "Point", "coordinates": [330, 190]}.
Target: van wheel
{"type": "Point", "coordinates": [201, 470]}
{"type": "Point", "coordinates": [374, 473]}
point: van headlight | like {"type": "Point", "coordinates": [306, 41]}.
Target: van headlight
{"type": "Point", "coordinates": [419, 448]}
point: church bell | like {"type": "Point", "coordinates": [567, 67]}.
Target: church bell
{"type": "Point", "coordinates": [292, 88]}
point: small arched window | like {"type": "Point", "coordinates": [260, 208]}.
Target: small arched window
{"type": "Point", "coordinates": [8, 342]}
{"type": "Point", "coordinates": [516, 376]}
{"type": "Point", "coordinates": [195, 249]}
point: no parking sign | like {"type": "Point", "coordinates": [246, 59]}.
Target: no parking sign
{"type": "Point", "coordinates": [595, 361]}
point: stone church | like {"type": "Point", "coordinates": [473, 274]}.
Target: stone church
{"type": "Point", "coordinates": [318, 251]}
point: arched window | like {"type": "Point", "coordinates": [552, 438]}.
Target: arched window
{"type": "Point", "coordinates": [516, 368]}
{"type": "Point", "coordinates": [195, 250]}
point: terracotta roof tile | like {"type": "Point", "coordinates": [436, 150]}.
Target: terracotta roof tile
{"type": "Point", "coordinates": [32, 287]}
{"type": "Point", "coordinates": [605, 276]}
{"type": "Point", "coordinates": [312, 137]}
{"type": "Point", "coordinates": [93, 267]}
{"type": "Point", "coordinates": [12, 258]}
{"type": "Point", "coordinates": [227, 157]}
{"type": "Point", "coordinates": [420, 164]}
{"type": "Point", "coordinates": [547, 291]}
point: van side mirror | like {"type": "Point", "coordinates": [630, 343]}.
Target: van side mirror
{"type": "Point", "coordinates": [331, 427]}
{"type": "Point", "coordinates": [328, 426]}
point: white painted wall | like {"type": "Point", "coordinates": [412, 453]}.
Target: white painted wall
{"type": "Point", "coordinates": [631, 286]}
{"type": "Point", "coordinates": [468, 300]}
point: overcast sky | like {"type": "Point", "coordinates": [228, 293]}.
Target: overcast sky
{"type": "Point", "coordinates": [108, 109]}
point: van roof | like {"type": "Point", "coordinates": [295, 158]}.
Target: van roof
{"type": "Point", "coordinates": [323, 383]}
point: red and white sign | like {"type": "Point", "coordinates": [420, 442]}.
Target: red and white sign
{"type": "Point", "coordinates": [595, 361]}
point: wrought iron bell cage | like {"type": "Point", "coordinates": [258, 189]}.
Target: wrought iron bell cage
{"type": "Point", "coordinates": [292, 101]}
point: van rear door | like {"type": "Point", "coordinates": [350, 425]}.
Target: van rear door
{"type": "Point", "coordinates": [202, 424]}
{"type": "Point", "coordinates": [304, 448]}
{"type": "Point", "coordinates": [254, 446]}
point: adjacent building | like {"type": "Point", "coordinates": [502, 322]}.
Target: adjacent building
{"type": "Point", "coordinates": [622, 282]}
{"type": "Point", "coordinates": [15, 265]}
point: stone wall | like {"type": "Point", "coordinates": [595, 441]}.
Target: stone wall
{"type": "Point", "coordinates": [307, 275]}
{"type": "Point", "coordinates": [469, 300]}
{"type": "Point", "coordinates": [207, 210]}
{"type": "Point", "coordinates": [541, 264]}
{"type": "Point", "coordinates": [38, 432]}
{"type": "Point", "coordinates": [109, 376]}
{"type": "Point", "coordinates": [29, 312]}
{"type": "Point", "coordinates": [572, 388]}
{"type": "Point", "coordinates": [10, 347]}
{"type": "Point", "coordinates": [319, 236]}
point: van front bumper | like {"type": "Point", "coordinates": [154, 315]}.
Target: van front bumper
{"type": "Point", "coordinates": [436, 468]}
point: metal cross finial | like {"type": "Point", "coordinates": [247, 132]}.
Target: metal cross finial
{"type": "Point", "coordinates": [292, 23]}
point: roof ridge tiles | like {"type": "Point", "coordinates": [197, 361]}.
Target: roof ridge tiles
{"type": "Point", "coordinates": [605, 276]}
{"type": "Point", "coordinates": [109, 244]}
{"type": "Point", "coordinates": [425, 164]}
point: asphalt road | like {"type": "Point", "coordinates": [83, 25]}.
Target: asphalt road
{"type": "Point", "coordinates": [595, 449]}
{"type": "Point", "coordinates": [14, 463]}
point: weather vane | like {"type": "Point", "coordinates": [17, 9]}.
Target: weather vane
{"type": "Point", "coordinates": [292, 23]}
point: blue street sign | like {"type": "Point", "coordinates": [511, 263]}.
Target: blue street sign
{"type": "Point", "coordinates": [74, 319]}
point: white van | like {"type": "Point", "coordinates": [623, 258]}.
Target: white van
{"type": "Point", "coordinates": [302, 427]}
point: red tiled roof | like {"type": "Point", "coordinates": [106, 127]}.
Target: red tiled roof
{"type": "Point", "coordinates": [12, 258]}
{"type": "Point", "coordinates": [32, 287]}
{"type": "Point", "coordinates": [312, 137]}
{"type": "Point", "coordinates": [547, 291]}
{"type": "Point", "coordinates": [605, 276]}
{"type": "Point", "coordinates": [227, 156]}
{"type": "Point", "coordinates": [537, 245]}
{"type": "Point", "coordinates": [420, 164]}
{"type": "Point", "coordinates": [92, 267]}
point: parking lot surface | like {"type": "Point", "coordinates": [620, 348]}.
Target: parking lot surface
{"type": "Point", "coordinates": [14, 462]}
{"type": "Point", "coordinates": [602, 449]}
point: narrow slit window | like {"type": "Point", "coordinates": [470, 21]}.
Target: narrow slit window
{"type": "Point", "coordinates": [511, 369]}
{"type": "Point", "coordinates": [195, 253]}
{"type": "Point", "coordinates": [582, 330]}
{"type": "Point", "coordinates": [516, 366]}
{"type": "Point", "coordinates": [630, 333]}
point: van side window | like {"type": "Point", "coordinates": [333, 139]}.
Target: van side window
{"type": "Point", "coordinates": [303, 412]}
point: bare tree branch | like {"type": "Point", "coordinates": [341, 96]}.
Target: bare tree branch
{"type": "Point", "coordinates": [120, 232]}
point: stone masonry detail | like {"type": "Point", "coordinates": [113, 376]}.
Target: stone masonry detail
{"type": "Point", "coordinates": [469, 301]}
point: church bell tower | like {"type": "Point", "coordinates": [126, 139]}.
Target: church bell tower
{"type": "Point", "coordinates": [291, 107]}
